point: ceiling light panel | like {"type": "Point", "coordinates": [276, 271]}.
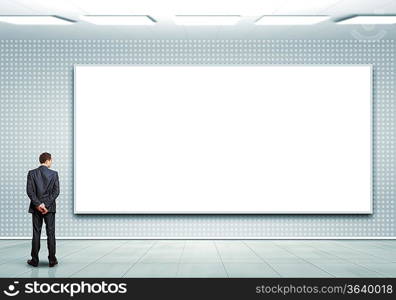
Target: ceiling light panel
{"type": "Point", "coordinates": [369, 20]}
{"type": "Point", "coordinates": [119, 19]}
{"type": "Point", "coordinates": [35, 20]}
{"type": "Point", "coordinates": [206, 20]}
{"type": "Point", "coordinates": [290, 20]}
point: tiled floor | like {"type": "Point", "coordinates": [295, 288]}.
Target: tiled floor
{"type": "Point", "coordinates": [205, 258]}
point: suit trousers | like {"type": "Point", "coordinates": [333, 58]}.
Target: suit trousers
{"type": "Point", "coordinates": [49, 219]}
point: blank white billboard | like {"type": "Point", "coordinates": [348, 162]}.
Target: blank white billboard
{"type": "Point", "coordinates": [222, 139]}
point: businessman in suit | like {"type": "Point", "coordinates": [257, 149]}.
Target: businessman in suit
{"type": "Point", "coordinates": [43, 188]}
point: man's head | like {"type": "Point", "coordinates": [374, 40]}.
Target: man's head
{"type": "Point", "coordinates": [45, 159]}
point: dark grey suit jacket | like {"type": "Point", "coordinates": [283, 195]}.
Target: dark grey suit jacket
{"type": "Point", "coordinates": [42, 187]}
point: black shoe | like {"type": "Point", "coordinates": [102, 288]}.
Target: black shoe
{"type": "Point", "coordinates": [53, 263]}
{"type": "Point", "coordinates": [32, 263]}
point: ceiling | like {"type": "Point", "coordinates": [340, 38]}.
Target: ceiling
{"type": "Point", "coordinates": [163, 12]}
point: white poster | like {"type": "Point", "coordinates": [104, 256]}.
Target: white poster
{"type": "Point", "coordinates": [222, 139]}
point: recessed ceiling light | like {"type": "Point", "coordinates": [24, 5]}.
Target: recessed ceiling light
{"type": "Point", "coordinates": [290, 20]}
{"type": "Point", "coordinates": [119, 19]}
{"type": "Point", "coordinates": [369, 20]}
{"type": "Point", "coordinates": [206, 19]}
{"type": "Point", "coordinates": [36, 20]}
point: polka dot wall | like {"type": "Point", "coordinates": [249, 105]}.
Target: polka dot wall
{"type": "Point", "coordinates": [36, 115]}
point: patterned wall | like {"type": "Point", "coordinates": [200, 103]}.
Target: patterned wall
{"type": "Point", "coordinates": [36, 115]}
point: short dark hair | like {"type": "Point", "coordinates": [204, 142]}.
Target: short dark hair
{"type": "Point", "coordinates": [44, 157]}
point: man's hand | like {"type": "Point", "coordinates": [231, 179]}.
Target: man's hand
{"type": "Point", "coordinates": [41, 208]}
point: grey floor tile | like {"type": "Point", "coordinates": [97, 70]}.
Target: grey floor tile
{"type": "Point", "coordinates": [81, 258]}
{"type": "Point", "coordinates": [389, 255]}
{"type": "Point", "coordinates": [388, 243]}
{"type": "Point", "coordinates": [199, 243]}
{"type": "Point", "coordinates": [273, 251]}
{"type": "Point", "coordinates": [19, 255]}
{"type": "Point", "coordinates": [356, 256]}
{"type": "Point", "coordinates": [299, 270]}
{"type": "Point", "coordinates": [308, 252]}
{"type": "Point", "coordinates": [279, 255]}
{"type": "Point", "coordinates": [329, 260]}
{"type": "Point", "coordinates": [263, 247]}
{"type": "Point", "coordinates": [61, 270]}
{"type": "Point", "coordinates": [103, 270]}
{"type": "Point", "coordinates": [152, 270]}
{"type": "Point", "coordinates": [387, 246]}
{"type": "Point", "coordinates": [163, 253]}
{"type": "Point", "coordinates": [171, 244]}
{"type": "Point", "coordinates": [284, 260]}
{"type": "Point", "coordinates": [197, 257]}
{"type": "Point", "coordinates": [120, 258]}
{"type": "Point", "coordinates": [312, 254]}
{"type": "Point", "coordinates": [236, 252]}
{"type": "Point", "coordinates": [201, 250]}
{"type": "Point", "coordinates": [250, 270]}
{"type": "Point", "coordinates": [241, 258]}
{"type": "Point", "coordinates": [388, 269]}
{"type": "Point", "coordinates": [202, 270]}
{"type": "Point", "coordinates": [366, 259]}
{"type": "Point", "coordinates": [13, 269]}
{"type": "Point", "coordinates": [165, 258]}
{"type": "Point", "coordinates": [5, 247]}
{"type": "Point", "coordinates": [347, 270]}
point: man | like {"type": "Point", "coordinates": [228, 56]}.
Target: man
{"type": "Point", "coordinates": [43, 188]}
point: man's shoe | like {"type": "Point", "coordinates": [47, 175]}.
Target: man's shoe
{"type": "Point", "coordinates": [32, 263]}
{"type": "Point", "coordinates": [52, 264]}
